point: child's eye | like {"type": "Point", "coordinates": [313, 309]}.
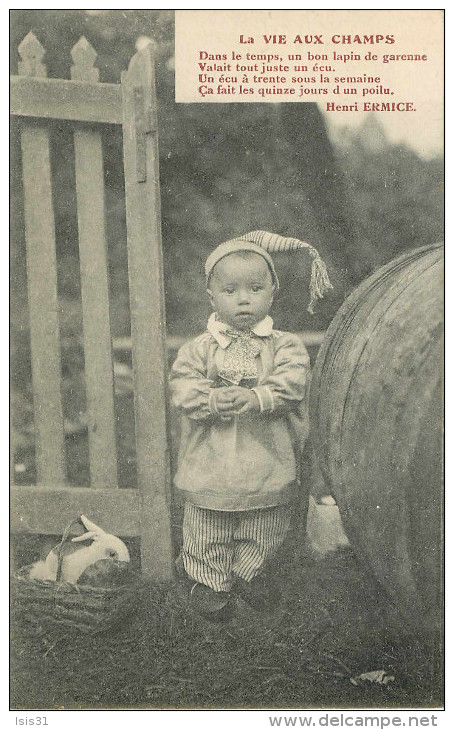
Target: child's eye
{"type": "Point", "coordinates": [229, 290]}
{"type": "Point", "coordinates": [256, 288]}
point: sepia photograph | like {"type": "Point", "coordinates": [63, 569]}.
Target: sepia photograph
{"type": "Point", "coordinates": [226, 363]}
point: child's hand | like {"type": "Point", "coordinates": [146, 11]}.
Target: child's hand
{"type": "Point", "coordinates": [245, 401]}
{"type": "Point", "coordinates": [224, 403]}
{"type": "Point", "coordinates": [234, 400]}
{"type": "Point", "coordinates": [237, 400]}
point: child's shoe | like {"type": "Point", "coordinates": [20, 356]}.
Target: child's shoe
{"type": "Point", "coordinates": [260, 593]}
{"type": "Point", "coordinates": [215, 606]}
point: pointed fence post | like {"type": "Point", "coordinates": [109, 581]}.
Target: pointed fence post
{"type": "Point", "coordinates": [84, 56]}
{"type": "Point", "coordinates": [31, 53]}
{"type": "Point", "coordinates": [146, 290]}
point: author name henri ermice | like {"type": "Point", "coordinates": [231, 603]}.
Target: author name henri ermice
{"type": "Point", "coordinates": [371, 106]}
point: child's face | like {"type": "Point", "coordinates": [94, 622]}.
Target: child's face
{"type": "Point", "coordinates": [241, 290]}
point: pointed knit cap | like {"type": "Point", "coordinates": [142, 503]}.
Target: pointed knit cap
{"type": "Point", "coordinates": [264, 243]}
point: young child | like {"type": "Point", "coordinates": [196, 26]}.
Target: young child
{"type": "Point", "coordinates": [240, 388]}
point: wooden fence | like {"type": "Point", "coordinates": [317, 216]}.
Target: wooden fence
{"type": "Point", "coordinates": [87, 105]}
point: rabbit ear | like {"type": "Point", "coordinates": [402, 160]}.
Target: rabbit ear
{"type": "Point", "coordinates": [86, 536]}
{"type": "Point", "coordinates": [89, 525]}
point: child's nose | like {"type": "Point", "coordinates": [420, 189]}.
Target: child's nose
{"type": "Point", "coordinates": [243, 297]}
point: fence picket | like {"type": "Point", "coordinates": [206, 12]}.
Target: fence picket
{"type": "Point", "coordinates": [42, 285]}
{"type": "Point", "coordinates": [43, 303]}
{"type": "Point", "coordinates": [95, 289]}
{"type": "Point", "coordinates": [147, 311]}
{"type": "Point", "coordinates": [95, 307]}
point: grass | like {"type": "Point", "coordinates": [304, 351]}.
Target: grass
{"type": "Point", "coordinates": [334, 623]}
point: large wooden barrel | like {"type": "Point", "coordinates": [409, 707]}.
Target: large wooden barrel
{"type": "Point", "coordinates": [376, 415]}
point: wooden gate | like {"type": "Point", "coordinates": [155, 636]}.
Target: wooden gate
{"type": "Point", "coordinates": [46, 508]}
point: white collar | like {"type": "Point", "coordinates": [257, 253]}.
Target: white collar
{"type": "Point", "coordinates": [218, 329]}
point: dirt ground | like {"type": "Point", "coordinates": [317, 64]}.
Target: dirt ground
{"type": "Point", "coordinates": [334, 623]}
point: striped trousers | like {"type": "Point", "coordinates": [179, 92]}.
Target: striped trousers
{"type": "Point", "coordinates": [220, 546]}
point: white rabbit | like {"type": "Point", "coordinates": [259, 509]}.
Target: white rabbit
{"type": "Point", "coordinates": [78, 557]}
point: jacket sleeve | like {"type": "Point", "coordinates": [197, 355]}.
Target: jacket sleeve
{"type": "Point", "coordinates": [190, 387]}
{"type": "Point", "coordinates": [285, 387]}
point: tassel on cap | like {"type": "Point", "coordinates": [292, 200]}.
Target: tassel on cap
{"type": "Point", "coordinates": [273, 243]}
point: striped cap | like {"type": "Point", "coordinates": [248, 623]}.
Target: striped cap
{"type": "Point", "coordinates": [264, 243]}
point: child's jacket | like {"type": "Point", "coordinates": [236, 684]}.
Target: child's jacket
{"type": "Point", "coordinates": [248, 462]}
